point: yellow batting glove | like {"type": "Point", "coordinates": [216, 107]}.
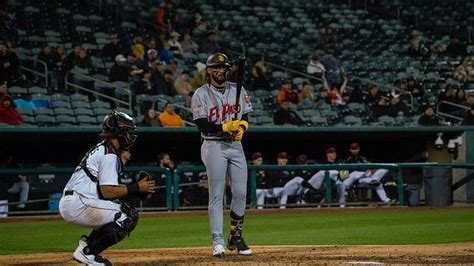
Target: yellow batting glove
{"type": "Point", "coordinates": [244, 124]}
{"type": "Point", "coordinates": [240, 134]}
{"type": "Point", "coordinates": [231, 126]}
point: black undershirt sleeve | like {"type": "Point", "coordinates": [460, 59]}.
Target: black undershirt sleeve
{"type": "Point", "coordinates": [206, 127]}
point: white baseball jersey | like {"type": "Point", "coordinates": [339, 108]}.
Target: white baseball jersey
{"type": "Point", "coordinates": [103, 164]}
{"type": "Point", "coordinates": [217, 104]}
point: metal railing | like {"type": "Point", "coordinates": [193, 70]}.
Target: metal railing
{"type": "Point", "coordinates": [172, 183]}
{"type": "Point", "coordinates": [34, 72]}
{"type": "Point", "coordinates": [460, 106]}
{"type": "Point", "coordinates": [157, 171]}
{"type": "Point", "coordinates": [105, 83]}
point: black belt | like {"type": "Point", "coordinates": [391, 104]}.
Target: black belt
{"type": "Point", "coordinates": [68, 192]}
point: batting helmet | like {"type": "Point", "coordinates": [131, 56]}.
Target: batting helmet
{"type": "Point", "coordinates": [121, 126]}
{"type": "Point", "coordinates": [217, 60]}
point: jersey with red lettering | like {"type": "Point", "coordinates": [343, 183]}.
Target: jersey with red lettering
{"type": "Point", "coordinates": [217, 104]}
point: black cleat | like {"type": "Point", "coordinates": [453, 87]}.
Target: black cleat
{"type": "Point", "coordinates": [238, 243]}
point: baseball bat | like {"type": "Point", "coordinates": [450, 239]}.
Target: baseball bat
{"type": "Point", "coordinates": [240, 79]}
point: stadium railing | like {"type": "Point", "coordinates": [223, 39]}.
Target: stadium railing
{"type": "Point", "coordinates": [36, 62]}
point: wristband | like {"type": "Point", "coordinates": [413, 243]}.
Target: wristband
{"type": "Point", "coordinates": [132, 189]}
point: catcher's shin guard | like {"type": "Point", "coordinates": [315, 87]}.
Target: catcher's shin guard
{"type": "Point", "coordinates": [110, 234]}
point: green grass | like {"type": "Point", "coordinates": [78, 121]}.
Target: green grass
{"type": "Point", "coordinates": [408, 226]}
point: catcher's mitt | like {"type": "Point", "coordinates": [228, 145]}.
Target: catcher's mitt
{"type": "Point", "coordinates": [144, 175]}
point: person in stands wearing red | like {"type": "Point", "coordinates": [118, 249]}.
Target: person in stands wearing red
{"type": "Point", "coordinates": [8, 113]}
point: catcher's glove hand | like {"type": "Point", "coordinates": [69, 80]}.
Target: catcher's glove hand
{"type": "Point", "coordinates": [146, 184]}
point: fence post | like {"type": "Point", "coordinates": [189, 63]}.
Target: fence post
{"type": "Point", "coordinates": [401, 194]}
{"type": "Point", "coordinates": [176, 179]}
{"type": "Point", "coordinates": [253, 187]}
{"type": "Point", "coordinates": [327, 182]}
{"type": "Point", "coordinates": [169, 189]}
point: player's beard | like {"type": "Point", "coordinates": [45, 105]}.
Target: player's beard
{"type": "Point", "coordinates": [218, 78]}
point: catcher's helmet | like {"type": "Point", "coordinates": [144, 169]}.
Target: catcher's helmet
{"type": "Point", "coordinates": [217, 60]}
{"type": "Point", "coordinates": [121, 126]}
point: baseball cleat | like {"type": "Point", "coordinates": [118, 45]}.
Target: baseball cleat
{"type": "Point", "coordinates": [80, 256]}
{"type": "Point", "coordinates": [238, 243]}
{"type": "Point", "coordinates": [218, 251]}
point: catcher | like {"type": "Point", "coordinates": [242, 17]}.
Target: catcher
{"type": "Point", "coordinates": [87, 199]}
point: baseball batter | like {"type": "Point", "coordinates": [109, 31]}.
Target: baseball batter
{"type": "Point", "coordinates": [95, 182]}
{"type": "Point", "coordinates": [221, 150]}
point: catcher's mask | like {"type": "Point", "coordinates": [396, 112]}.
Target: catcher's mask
{"type": "Point", "coordinates": [121, 126]}
{"type": "Point", "coordinates": [216, 61]}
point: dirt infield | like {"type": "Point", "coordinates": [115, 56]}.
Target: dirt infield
{"type": "Point", "coordinates": [361, 254]}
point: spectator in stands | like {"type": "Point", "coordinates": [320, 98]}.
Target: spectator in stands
{"type": "Point", "coordinates": [470, 99]}
{"type": "Point", "coordinates": [285, 116]}
{"type": "Point", "coordinates": [169, 118]}
{"type": "Point", "coordinates": [374, 96]}
{"type": "Point", "coordinates": [371, 178]}
{"type": "Point", "coordinates": [182, 85]}
{"type": "Point", "coordinates": [138, 48]}
{"type": "Point", "coordinates": [210, 44]}
{"type": "Point", "coordinates": [8, 30]}
{"type": "Point", "coordinates": [200, 78]}
{"type": "Point", "coordinates": [9, 65]}
{"type": "Point", "coordinates": [151, 59]}
{"type": "Point", "coordinates": [468, 119]}
{"type": "Point", "coordinates": [259, 79]}
{"type": "Point", "coordinates": [197, 25]}
{"type": "Point", "coordinates": [380, 108]}
{"type": "Point", "coordinates": [414, 88]}
{"type": "Point", "coordinates": [112, 49]}
{"type": "Point", "coordinates": [144, 85]}
{"type": "Point", "coordinates": [60, 67]}
{"type": "Point", "coordinates": [166, 17]}
{"type": "Point", "coordinates": [120, 71]}
{"type": "Point", "coordinates": [323, 96]}
{"type": "Point", "coordinates": [287, 93]}
{"type": "Point", "coordinates": [461, 96]}
{"type": "Point", "coordinates": [464, 72]}
{"type": "Point", "coordinates": [72, 56]}
{"type": "Point", "coordinates": [429, 118]}
{"type": "Point", "coordinates": [46, 55]}
{"type": "Point", "coordinates": [405, 95]}
{"type": "Point", "coordinates": [336, 94]}
{"type": "Point", "coordinates": [333, 67]}
{"type": "Point", "coordinates": [3, 89]}
{"type": "Point", "coordinates": [418, 49]}
{"type": "Point", "coordinates": [448, 95]}
{"type": "Point", "coordinates": [188, 46]}
{"type": "Point", "coordinates": [455, 47]}
{"type": "Point", "coordinates": [189, 99]}
{"type": "Point", "coordinates": [306, 97]}
{"type": "Point", "coordinates": [8, 113]}
{"type": "Point", "coordinates": [83, 61]}
{"type": "Point", "coordinates": [396, 107]}
{"type": "Point", "coordinates": [150, 119]}
{"type": "Point", "coordinates": [165, 53]}
{"type": "Point", "coordinates": [165, 162]}
{"type": "Point", "coordinates": [315, 67]}
{"type": "Point", "coordinates": [166, 84]}
{"type": "Point", "coordinates": [175, 68]}
{"type": "Point", "coordinates": [175, 46]}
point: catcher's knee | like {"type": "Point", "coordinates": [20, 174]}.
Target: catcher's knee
{"type": "Point", "coordinates": [127, 219]}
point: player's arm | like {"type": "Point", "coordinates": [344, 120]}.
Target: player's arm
{"type": "Point", "coordinates": [108, 181]}
{"type": "Point", "coordinates": [206, 127]}
{"type": "Point", "coordinates": [134, 189]}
